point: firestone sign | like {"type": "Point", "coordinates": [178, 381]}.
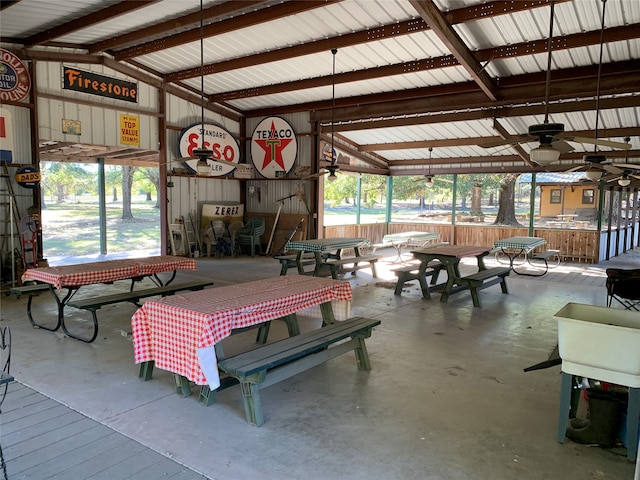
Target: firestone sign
{"type": "Point", "coordinates": [274, 147]}
{"type": "Point", "coordinates": [15, 82]}
{"type": "Point", "coordinates": [225, 148]}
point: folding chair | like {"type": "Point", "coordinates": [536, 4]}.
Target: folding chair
{"type": "Point", "coordinates": [223, 242]}
{"type": "Point", "coordinates": [624, 287]}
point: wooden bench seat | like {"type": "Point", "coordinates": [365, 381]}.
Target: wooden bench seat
{"type": "Point", "coordinates": [289, 261]}
{"type": "Point", "coordinates": [545, 256]}
{"type": "Point", "coordinates": [339, 267]}
{"type": "Point", "coordinates": [412, 272]}
{"type": "Point", "coordinates": [280, 360]}
{"type": "Point", "coordinates": [376, 246]}
{"type": "Point", "coordinates": [33, 289]}
{"type": "Point", "coordinates": [483, 279]}
{"type": "Point", "coordinates": [93, 304]}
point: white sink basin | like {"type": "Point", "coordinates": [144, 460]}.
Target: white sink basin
{"type": "Point", "coordinates": [600, 343]}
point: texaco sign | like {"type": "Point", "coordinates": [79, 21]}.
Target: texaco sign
{"type": "Point", "coordinates": [274, 147]}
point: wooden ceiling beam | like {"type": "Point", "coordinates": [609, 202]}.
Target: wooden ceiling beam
{"type": "Point", "coordinates": [447, 35]}
{"type": "Point", "coordinates": [615, 34]}
{"type": "Point", "coordinates": [619, 78]}
{"type": "Point", "coordinates": [457, 142]}
{"type": "Point", "coordinates": [274, 12]}
{"type": "Point", "coordinates": [94, 18]}
{"type": "Point", "coordinates": [373, 34]}
{"type": "Point", "coordinates": [175, 25]}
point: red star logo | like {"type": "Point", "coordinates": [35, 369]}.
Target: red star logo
{"type": "Point", "coordinates": [273, 147]}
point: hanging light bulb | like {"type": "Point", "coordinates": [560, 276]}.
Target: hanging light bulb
{"type": "Point", "coordinates": [429, 181]}
{"type": "Point", "coordinates": [332, 173]}
{"type": "Point", "coordinates": [624, 180]}
{"type": "Point", "coordinates": [429, 178]}
{"type": "Point", "coordinates": [202, 167]}
{"type": "Point", "coordinates": [332, 156]}
{"type": "Point", "coordinates": [593, 174]}
{"type": "Point", "coordinates": [544, 155]}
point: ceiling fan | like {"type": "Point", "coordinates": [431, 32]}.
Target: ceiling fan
{"type": "Point", "coordinates": [547, 134]}
{"type": "Point", "coordinates": [429, 177]}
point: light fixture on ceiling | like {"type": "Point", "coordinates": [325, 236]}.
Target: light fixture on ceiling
{"type": "Point", "coordinates": [429, 182]}
{"type": "Point", "coordinates": [544, 154]}
{"type": "Point", "coordinates": [332, 173]}
{"type": "Point", "coordinates": [593, 174]}
{"type": "Point", "coordinates": [333, 155]}
{"type": "Point", "coordinates": [202, 167]}
{"type": "Point", "coordinates": [624, 180]}
{"type": "Point", "coordinates": [429, 178]}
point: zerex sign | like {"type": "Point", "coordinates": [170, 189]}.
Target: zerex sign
{"type": "Point", "coordinates": [15, 81]}
{"type": "Point", "coordinates": [95, 84]}
{"type": "Point", "coordinates": [226, 151]}
{"type": "Point", "coordinates": [274, 147]}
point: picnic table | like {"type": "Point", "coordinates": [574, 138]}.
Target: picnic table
{"type": "Point", "coordinates": [520, 250]}
{"type": "Point", "coordinates": [180, 333]}
{"type": "Point", "coordinates": [450, 256]}
{"type": "Point", "coordinates": [73, 277]}
{"type": "Point", "coordinates": [328, 255]}
{"type": "Point", "coordinates": [403, 239]}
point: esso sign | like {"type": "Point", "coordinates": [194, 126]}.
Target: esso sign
{"type": "Point", "coordinates": [224, 146]}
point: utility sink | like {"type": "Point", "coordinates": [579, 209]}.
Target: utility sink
{"type": "Point", "coordinates": [600, 343]}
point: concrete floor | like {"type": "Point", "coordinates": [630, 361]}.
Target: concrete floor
{"type": "Point", "coordinates": [446, 399]}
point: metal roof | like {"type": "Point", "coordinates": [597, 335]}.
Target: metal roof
{"type": "Point", "coordinates": [410, 74]}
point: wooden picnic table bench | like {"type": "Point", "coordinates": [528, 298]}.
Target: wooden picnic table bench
{"type": "Point", "coordinates": [338, 267]}
{"type": "Point", "coordinates": [272, 363]}
{"type": "Point", "coordinates": [93, 304]}
{"type": "Point", "coordinates": [483, 279]}
{"type": "Point", "coordinates": [290, 261]}
{"type": "Point", "coordinates": [413, 272]}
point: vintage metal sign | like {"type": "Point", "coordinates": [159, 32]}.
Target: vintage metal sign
{"type": "Point", "coordinates": [274, 147]}
{"type": "Point", "coordinates": [225, 148]}
{"type": "Point", "coordinates": [15, 81]}
{"type": "Point", "coordinates": [6, 136]}
{"type": "Point", "coordinates": [28, 177]}
{"type": "Point", "coordinates": [96, 84]}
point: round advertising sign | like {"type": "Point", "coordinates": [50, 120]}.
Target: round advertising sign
{"type": "Point", "coordinates": [274, 147]}
{"type": "Point", "coordinates": [28, 177]}
{"type": "Point", "coordinates": [15, 82]}
{"type": "Point", "coordinates": [225, 148]}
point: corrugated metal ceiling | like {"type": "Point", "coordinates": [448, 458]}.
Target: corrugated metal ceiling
{"type": "Point", "coordinates": [382, 72]}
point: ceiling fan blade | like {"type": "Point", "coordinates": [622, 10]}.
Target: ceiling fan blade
{"type": "Point", "coordinates": [627, 165]}
{"type": "Point", "coordinates": [575, 169]}
{"type": "Point", "coordinates": [561, 146]}
{"type": "Point", "coordinates": [612, 169]}
{"type": "Point", "coordinates": [601, 142]}
{"type": "Point", "coordinates": [511, 140]}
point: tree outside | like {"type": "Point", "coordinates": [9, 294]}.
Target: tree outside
{"type": "Point", "coordinates": [70, 213]}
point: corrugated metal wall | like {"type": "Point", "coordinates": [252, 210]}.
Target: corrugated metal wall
{"type": "Point", "coordinates": [267, 193]}
{"type": "Point", "coordinates": [100, 126]}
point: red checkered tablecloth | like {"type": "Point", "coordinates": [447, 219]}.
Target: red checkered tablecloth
{"type": "Point", "coordinates": [174, 331]}
{"type": "Point", "coordinates": [107, 271]}
{"type": "Point", "coordinates": [164, 263]}
{"type": "Point", "coordinates": [83, 274]}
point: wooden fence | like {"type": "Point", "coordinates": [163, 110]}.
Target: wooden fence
{"type": "Point", "coordinates": [575, 245]}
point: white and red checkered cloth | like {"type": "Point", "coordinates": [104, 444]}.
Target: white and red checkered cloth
{"type": "Point", "coordinates": [107, 271]}
{"type": "Point", "coordinates": [179, 332]}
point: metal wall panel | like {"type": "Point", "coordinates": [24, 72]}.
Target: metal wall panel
{"type": "Point", "coordinates": [269, 194]}
{"type": "Point", "coordinates": [100, 125]}
{"type": "Point", "coordinates": [21, 133]}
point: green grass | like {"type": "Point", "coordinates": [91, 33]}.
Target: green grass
{"type": "Point", "coordinates": [74, 228]}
